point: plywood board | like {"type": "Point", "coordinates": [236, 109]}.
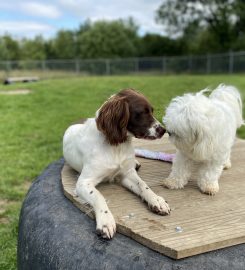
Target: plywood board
{"type": "Point", "coordinates": [207, 222]}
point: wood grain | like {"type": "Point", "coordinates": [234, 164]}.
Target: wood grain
{"type": "Point", "coordinates": [207, 222]}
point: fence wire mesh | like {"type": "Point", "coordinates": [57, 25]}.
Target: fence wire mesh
{"type": "Point", "coordinates": [232, 62]}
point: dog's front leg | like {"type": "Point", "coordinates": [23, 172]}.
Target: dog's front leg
{"type": "Point", "coordinates": [180, 173]}
{"type": "Point", "coordinates": [208, 176]}
{"type": "Point", "coordinates": [135, 184]}
{"type": "Point", "coordinates": [105, 223]}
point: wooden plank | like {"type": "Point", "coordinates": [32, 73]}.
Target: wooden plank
{"type": "Point", "coordinates": [207, 222]}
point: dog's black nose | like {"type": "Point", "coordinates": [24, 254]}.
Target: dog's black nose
{"type": "Point", "coordinates": [160, 131]}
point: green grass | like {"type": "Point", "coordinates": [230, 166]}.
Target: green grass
{"type": "Point", "coordinates": [32, 126]}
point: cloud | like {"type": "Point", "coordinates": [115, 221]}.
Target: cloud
{"type": "Point", "coordinates": [143, 11]}
{"type": "Point", "coordinates": [46, 16]}
{"type": "Point", "coordinates": [31, 29]}
{"type": "Point", "coordinates": [6, 5]}
{"type": "Point", "coordinates": [36, 9]}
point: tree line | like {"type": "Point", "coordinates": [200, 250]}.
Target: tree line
{"type": "Point", "coordinates": [190, 27]}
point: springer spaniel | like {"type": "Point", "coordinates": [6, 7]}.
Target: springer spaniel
{"type": "Point", "coordinates": [101, 149]}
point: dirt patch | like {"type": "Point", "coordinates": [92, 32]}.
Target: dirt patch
{"type": "Point", "coordinates": [26, 185]}
{"type": "Point", "coordinates": [4, 204]}
{"type": "Point", "coordinates": [15, 92]}
{"type": "Point", "coordinates": [4, 220]}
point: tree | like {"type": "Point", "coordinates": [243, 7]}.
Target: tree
{"type": "Point", "coordinates": [3, 50]}
{"type": "Point", "coordinates": [64, 46]}
{"type": "Point", "coordinates": [239, 27]}
{"type": "Point", "coordinates": [49, 49]}
{"type": "Point", "coordinates": [106, 39]}
{"type": "Point", "coordinates": [33, 49]}
{"type": "Point", "coordinates": [84, 27]}
{"type": "Point", "coordinates": [10, 48]}
{"type": "Point", "coordinates": [221, 18]}
{"type": "Point", "coordinates": [156, 45]}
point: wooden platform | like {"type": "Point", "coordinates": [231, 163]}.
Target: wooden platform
{"type": "Point", "coordinates": [206, 222]}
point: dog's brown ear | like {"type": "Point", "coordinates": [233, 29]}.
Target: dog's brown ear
{"type": "Point", "coordinates": [113, 118]}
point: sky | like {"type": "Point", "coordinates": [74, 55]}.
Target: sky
{"type": "Point", "coordinates": [21, 18]}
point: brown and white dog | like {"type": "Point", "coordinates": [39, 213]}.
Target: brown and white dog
{"type": "Point", "coordinates": [101, 150]}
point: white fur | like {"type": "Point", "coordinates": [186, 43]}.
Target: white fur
{"type": "Point", "coordinates": [86, 150]}
{"type": "Point", "coordinates": [203, 129]}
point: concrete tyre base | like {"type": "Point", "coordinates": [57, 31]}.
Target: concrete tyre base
{"type": "Point", "coordinates": [54, 234]}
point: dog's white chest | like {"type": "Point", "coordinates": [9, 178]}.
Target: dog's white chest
{"type": "Point", "coordinates": [120, 163]}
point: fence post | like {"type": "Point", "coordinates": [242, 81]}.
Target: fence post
{"type": "Point", "coordinates": [164, 65]}
{"type": "Point", "coordinates": [190, 63]}
{"type": "Point", "coordinates": [8, 68]}
{"type": "Point", "coordinates": [208, 66]}
{"type": "Point", "coordinates": [108, 70]}
{"type": "Point", "coordinates": [43, 65]}
{"type": "Point", "coordinates": [77, 66]}
{"type": "Point", "coordinates": [136, 65]}
{"type": "Point", "coordinates": [231, 62]}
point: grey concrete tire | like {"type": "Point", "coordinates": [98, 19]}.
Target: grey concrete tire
{"type": "Point", "coordinates": [54, 234]}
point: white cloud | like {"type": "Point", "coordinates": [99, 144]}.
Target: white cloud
{"type": "Point", "coordinates": [31, 29]}
{"type": "Point", "coordinates": [36, 9]}
{"type": "Point", "coordinates": [143, 11]}
{"type": "Point", "coordinates": [44, 14]}
{"type": "Point", "coordinates": [6, 5]}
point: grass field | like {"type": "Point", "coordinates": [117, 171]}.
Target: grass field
{"type": "Point", "coordinates": [32, 126]}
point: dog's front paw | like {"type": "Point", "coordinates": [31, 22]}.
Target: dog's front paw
{"type": "Point", "coordinates": [106, 225]}
{"type": "Point", "coordinates": [173, 183]}
{"type": "Point", "coordinates": [159, 206]}
{"type": "Point", "coordinates": [209, 188]}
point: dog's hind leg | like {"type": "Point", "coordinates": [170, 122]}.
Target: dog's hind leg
{"type": "Point", "coordinates": [227, 164]}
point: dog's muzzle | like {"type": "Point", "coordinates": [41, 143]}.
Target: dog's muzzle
{"type": "Point", "coordinates": [160, 131]}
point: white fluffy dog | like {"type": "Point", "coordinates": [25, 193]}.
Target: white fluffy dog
{"type": "Point", "coordinates": [203, 129]}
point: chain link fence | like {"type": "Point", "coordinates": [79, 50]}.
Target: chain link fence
{"type": "Point", "coordinates": [226, 63]}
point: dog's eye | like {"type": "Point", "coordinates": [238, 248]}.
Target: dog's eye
{"type": "Point", "coordinates": [138, 115]}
